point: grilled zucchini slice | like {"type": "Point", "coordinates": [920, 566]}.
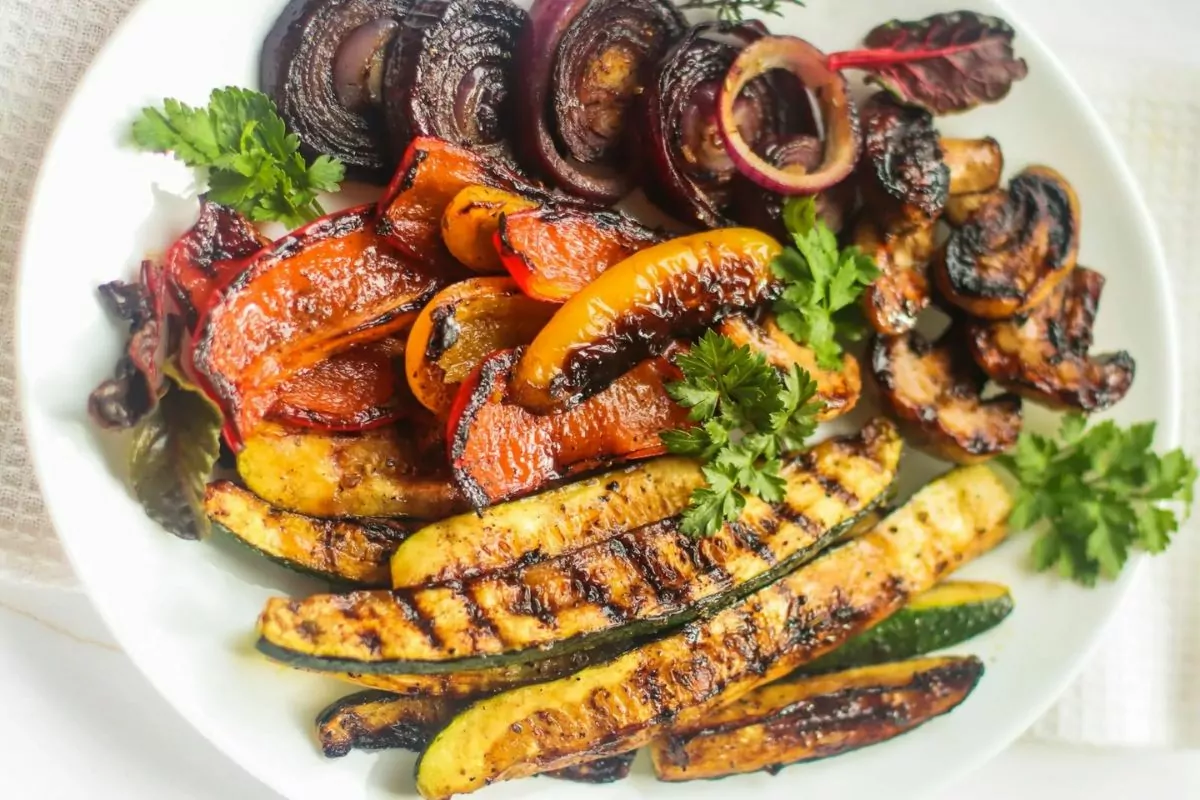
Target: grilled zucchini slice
{"type": "Point", "coordinates": [547, 525]}
{"type": "Point", "coordinates": [943, 617]}
{"type": "Point", "coordinates": [814, 718]}
{"type": "Point", "coordinates": [679, 680]}
{"type": "Point", "coordinates": [375, 720]}
{"type": "Point", "coordinates": [346, 551]}
{"type": "Point", "coordinates": [368, 474]}
{"type": "Point", "coordinates": [637, 584]}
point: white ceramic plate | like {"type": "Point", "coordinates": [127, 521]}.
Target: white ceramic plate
{"type": "Point", "coordinates": [185, 612]}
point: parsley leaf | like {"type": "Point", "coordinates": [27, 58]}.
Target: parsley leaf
{"type": "Point", "coordinates": [748, 415]}
{"type": "Point", "coordinates": [822, 284]}
{"type": "Point", "coordinates": [1095, 494]}
{"type": "Point", "coordinates": [253, 163]}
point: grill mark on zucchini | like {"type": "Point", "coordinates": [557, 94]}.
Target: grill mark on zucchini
{"type": "Point", "coordinates": [598, 595]}
{"type": "Point", "coordinates": [479, 618]}
{"type": "Point", "coordinates": [552, 725]}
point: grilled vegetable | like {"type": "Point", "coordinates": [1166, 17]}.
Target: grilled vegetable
{"type": "Point", "coordinates": [975, 165]}
{"type": "Point", "coordinates": [960, 208]}
{"type": "Point", "coordinates": [556, 250]}
{"type": "Point", "coordinates": [581, 64]}
{"type": "Point", "coordinates": [942, 617]}
{"type": "Point", "coordinates": [814, 718]}
{"type": "Point", "coordinates": [431, 173]}
{"type": "Point", "coordinates": [371, 474]}
{"type": "Point", "coordinates": [838, 389]}
{"type": "Point", "coordinates": [548, 525]}
{"type": "Point", "coordinates": [896, 299]}
{"type": "Point", "coordinates": [476, 683]}
{"type": "Point", "coordinates": [470, 222]}
{"type": "Point", "coordinates": [681, 679]}
{"type": "Point", "coordinates": [449, 73]}
{"type": "Point", "coordinates": [357, 390]}
{"type": "Point", "coordinates": [756, 207]}
{"type": "Point", "coordinates": [375, 720]}
{"type": "Point", "coordinates": [904, 175]}
{"type": "Point", "coordinates": [637, 584]}
{"type": "Point", "coordinates": [208, 257]}
{"type": "Point", "coordinates": [351, 551]}
{"type": "Point", "coordinates": [320, 290]}
{"type": "Point", "coordinates": [1014, 249]}
{"type": "Point", "coordinates": [1044, 354]}
{"type": "Point", "coordinates": [688, 171]}
{"type": "Point", "coordinates": [321, 64]}
{"type": "Point", "coordinates": [638, 308]}
{"type": "Point", "coordinates": [461, 326]}
{"type": "Point", "coordinates": [601, 770]}
{"type": "Point", "coordinates": [937, 390]}
{"type": "Point", "coordinates": [499, 450]}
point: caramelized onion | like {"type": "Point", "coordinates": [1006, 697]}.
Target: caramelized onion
{"type": "Point", "coordinates": [449, 74]}
{"type": "Point", "coordinates": [321, 65]}
{"type": "Point", "coordinates": [839, 118]}
{"type": "Point", "coordinates": [752, 205]}
{"type": "Point", "coordinates": [581, 62]}
{"type": "Point", "coordinates": [687, 165]}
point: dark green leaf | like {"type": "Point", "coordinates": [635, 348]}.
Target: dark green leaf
{"type": "Point", "coordinates": [172, 457]}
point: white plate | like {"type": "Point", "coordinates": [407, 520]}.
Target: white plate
{"type": "Point", "coordinates": [185, 612]}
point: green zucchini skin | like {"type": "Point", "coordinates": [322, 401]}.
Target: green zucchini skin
{"type": "Point", "coordinates": [923, 626]}
{"type": "Point", "coordinates": [346, 552]}
{"type": "Point", "coordinates": [633, 587]}
{"type": "Point", "coordinates": [679, 681]}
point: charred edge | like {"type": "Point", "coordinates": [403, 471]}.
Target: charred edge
{"type": "Point", "coordinates": [480, 621]}
{"type": "Point", "coordinates": [634, 551]}
{"type": "Point", "coordinates": [600, 771]}
{"type": "Point", "coordinates": [374, 417]}
{"type": "Point", "coordinates": [338, 722]}
{"type": "Point", "coordinates": [444, 331]}
{"type": "Point", "coordinates": [410, 176]}
{"type": "Point", "coordinates": [494, 369]}
{"type": "Point", "coordinates": [595, 592]}
{"type": "Point", "coordinates": [403, 600]}
{"type": "Point", "coordinates": [750, 540]}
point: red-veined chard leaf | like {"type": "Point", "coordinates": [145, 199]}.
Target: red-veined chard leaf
{"type": "Point", "coordinates": [945, 63]}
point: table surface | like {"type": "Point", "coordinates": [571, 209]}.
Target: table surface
{"type": "Point", "coordinates": [83, 723]}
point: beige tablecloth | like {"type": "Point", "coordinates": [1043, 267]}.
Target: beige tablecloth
{"type": "Point", "coordinates": [1140, 69]}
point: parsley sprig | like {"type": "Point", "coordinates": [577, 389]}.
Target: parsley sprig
{"type": "Point", "coordinates": [254, 164]}
{"type": "Point", "coordinates": [822, 284]}
{"type": "Point", "coordinates": [748, 414]}
{"type": "Point", "coordinates": [1100, 492]}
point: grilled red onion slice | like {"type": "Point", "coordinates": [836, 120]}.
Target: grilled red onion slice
{"type": "Point", "coordinates": [581, 63]}
{"type": "Point", "coordinates": [839, 117]}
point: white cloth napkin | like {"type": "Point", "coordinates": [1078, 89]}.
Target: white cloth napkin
{"type": "Point", "coordinates": [1141, 71]}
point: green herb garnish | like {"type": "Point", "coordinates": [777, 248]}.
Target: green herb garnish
{"type": "Point", "coordinates": [822, 284]}
{"type": "Point", "coordinates": [748, 414]}
{"type": "Point", "coordinates": [1100, 492]}
{"type": "Point", "coordinates": [733, 10]}
{"type": "Point", "coordinates": [254, 164]}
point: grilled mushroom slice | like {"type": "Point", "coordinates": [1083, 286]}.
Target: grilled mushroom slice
{"type": "Point", "coordinates": [904, 173]}
{"type": "Point", "coordinates": [1014, 249]}
{"type": "Point", "coordinates": [902, 253]}
{"type": "Point", "coordinates": [1044, 354]}
{"type": "Point", "coordinates": [961, 208]}
{"type": "Point", "coordinates": [936, 391]}
{"type": "Point", "coordinates": [975, 164]}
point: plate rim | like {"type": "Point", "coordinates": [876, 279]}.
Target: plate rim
{"type": "Point", "coordinates": [1169, 428]}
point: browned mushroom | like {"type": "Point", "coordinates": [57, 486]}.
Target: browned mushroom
{"type": "Point", "coordinates": [936, 391]}
{"type": "Point", "coordinates": [1044, 355]}
{"type": "Point", "coordinates": [960, 208]}
{"type": "Point", "coordinates": [838, 388]}
{"type": "Point", "coordinates": [1010, 255]}
{"type": "Point", "coordinates": [975, 164]}
{"type": "Point", "coordinates": [904, 175]}
{"type": "Point", "coordinates": [894, 301]}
